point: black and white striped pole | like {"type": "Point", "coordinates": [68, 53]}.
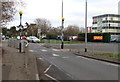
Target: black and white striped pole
{"type": "Point", "coordinates": [62, 43]}
{"type": "Point", "coordinates": [20, 26]}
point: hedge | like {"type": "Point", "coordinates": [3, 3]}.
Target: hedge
{"type": "Point", "coordinates": [90, 37]}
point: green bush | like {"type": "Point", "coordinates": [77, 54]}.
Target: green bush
{"type": "Point", "coordinates": [51, 36]}
{"type": "Point", "coordinates": [42, 41]}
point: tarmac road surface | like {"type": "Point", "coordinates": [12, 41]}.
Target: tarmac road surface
{"type": "Point", "coordinates": [80, 68]}
{"type": "Point", "coordinates": [93, 47]}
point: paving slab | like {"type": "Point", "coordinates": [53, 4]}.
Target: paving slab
{"type": "Point", "coordinates": [17, 66]}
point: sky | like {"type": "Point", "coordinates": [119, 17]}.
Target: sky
{"type": "Point", "coordinates": [74, 11]}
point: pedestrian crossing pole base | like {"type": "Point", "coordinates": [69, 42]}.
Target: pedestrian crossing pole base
{"type": "Point", "coordinates": [85, 49]}
{"type": "Point", "coordinates": [62, 45]}
{"type": "Point", "coordinates": [20, 47]}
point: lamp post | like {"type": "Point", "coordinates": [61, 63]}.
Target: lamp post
{"type": "Point", "coordinates": [0, 19]}
{"type": "Point", "coordinates": [62, 44]}
{"type": "Point", "coordinates": [86, 27]}
{"type": "Point", "coordinates": [20, 27]}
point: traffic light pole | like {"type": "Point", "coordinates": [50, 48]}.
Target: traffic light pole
{"type": "Point", "coordinates": [20, 45]}
{"type": "Point", "coordinates": [86, 27]}
{"type": "Point", "coordinates": [62, 44]}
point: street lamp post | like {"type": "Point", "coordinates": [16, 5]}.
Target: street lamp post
{"type": "Point", "coordinates": [86, 27]}
{"type": "Point", "coordinates": [20, 13]}
{"type": "Point", "coordinates": [0, 19]}
{"type": "Point", "coordinates": [62, 44]}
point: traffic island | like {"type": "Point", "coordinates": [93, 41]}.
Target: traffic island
{"type": "Point", "coordinates": [97, 57]}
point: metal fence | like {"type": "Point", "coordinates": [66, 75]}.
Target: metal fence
{"type": "Point", "coordinates": [94, 47]}
{"type": "Point", "coordinates": [15, 43]}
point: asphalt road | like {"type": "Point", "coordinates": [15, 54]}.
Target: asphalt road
{"type": "Point", "coordinates": [80, 68]}
{"type": "Point", "coordinates": [93, 47]}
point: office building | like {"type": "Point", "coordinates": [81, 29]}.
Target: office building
{"type": "Point", "coordinates": [119, 7]}
{"type": "Point", "coordinates": [107, 23]}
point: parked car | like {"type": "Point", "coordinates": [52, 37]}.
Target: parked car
{"type": "Point", "coordinates": [33, 39]}
{"type": "Point", "coordinates": [7, 37]}
{"type": "Point", "coordinates": [3, 37]}
{"type": "Point", "coordinates": [22, 37]}
{"type": "Point", "coordinates": [115, 40]}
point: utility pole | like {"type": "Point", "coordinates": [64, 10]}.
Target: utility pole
{"type": "Point", "coordinates": [86, 26]}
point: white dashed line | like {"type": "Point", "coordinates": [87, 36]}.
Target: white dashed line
{"type": "Point", "coordinates": [44, 50]}
{"type": "Point", "coordinates": [55, 55]}
{"type": "Point", "coordinates": [32, 50]}
{"type": "Point", "coordinates": [55, 50]}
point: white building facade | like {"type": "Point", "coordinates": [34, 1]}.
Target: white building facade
{"type": "Point", "coordinates": [119, 7]}
{"type": "Point", "coordinates": [107, 23]}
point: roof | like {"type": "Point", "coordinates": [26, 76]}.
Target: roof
{"type": "Point", "coordinates": [106, 15]}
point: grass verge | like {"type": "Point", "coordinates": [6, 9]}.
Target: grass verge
{"type": "Point", "coordinates": [110, 55]}
{"type": "Point", "coordinates": [59, 41]}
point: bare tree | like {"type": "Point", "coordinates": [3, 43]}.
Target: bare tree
{"type": "Point", "coordinates": [54, 31]}
{"type": "Point", "coordinates": [43, 25]}
{"type": "Point", "coordinates": [71, 30]}
{"type": "Point", "coordinates": [8, 10]}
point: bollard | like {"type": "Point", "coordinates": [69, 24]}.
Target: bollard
{"type": "Point", "coordinates": [20, 47]}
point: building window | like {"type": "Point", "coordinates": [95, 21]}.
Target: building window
{"type": "Point", "coordinates": [112, 19]}
{"type": "Point", "coordinates": [105, 18]}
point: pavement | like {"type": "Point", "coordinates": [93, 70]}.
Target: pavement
{"type": "Point", "coordinates": [17, 66]}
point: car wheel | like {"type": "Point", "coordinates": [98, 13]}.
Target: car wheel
{"type": "Point", "coordinates": [32, 41]}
